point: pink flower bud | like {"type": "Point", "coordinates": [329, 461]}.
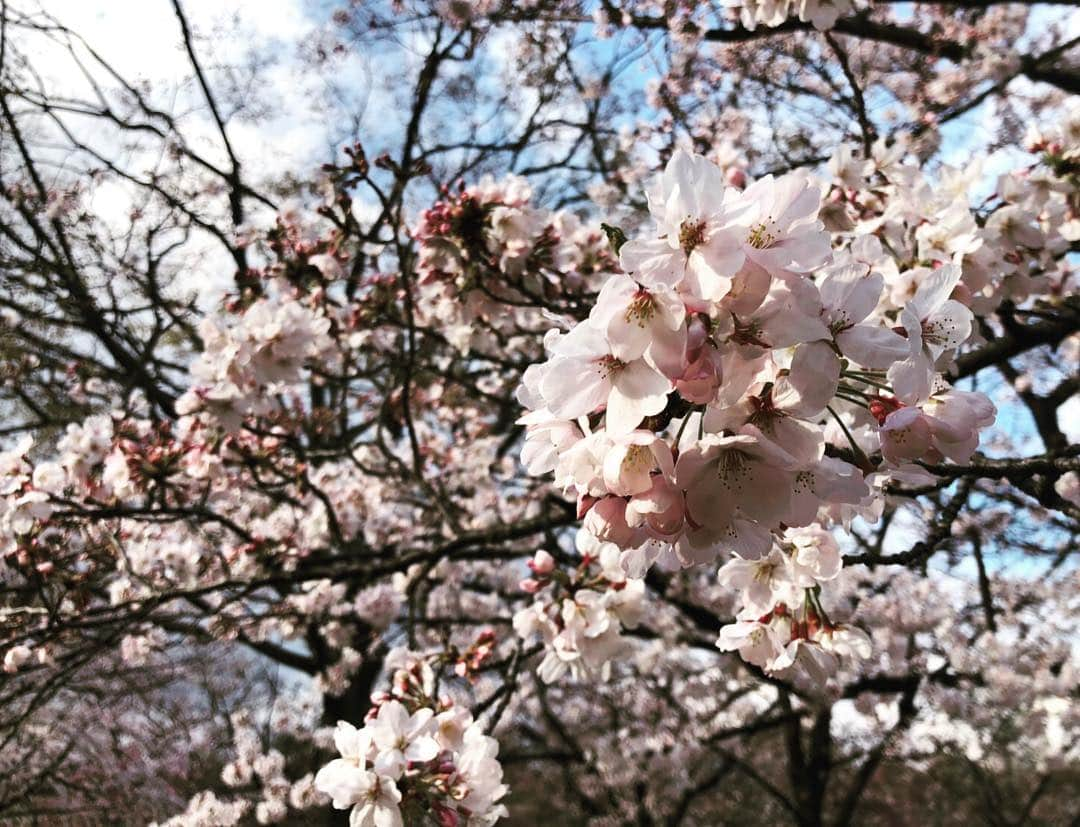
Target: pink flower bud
{"type": "Point", "coordinates": [530, 586]}
{"type": "Point", "coordinates": [542, 562]}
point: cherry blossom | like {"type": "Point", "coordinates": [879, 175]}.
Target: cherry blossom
{"type": "Point", "coordinates": [586, 375]}
{"type": "Point", "coordinates": [783, 230]}
{"type": "Point", "coordinates": [414, 751]}
{"type": "Point", "coordinates": [761, 581]}
{"type": "Point", "coordinates": [401, 738]}
{"type": "Point", "coordinates": [756, 642]}
{"type": "Point", "coordinates": [637, 321]}
{"type": "Point", "coordinates": [934, 323]}
{"type": "Point", "coordinates": [696, 216]}
{"type": "Point", "coordinates": [849, 294]}
{"type": "Point", "coordinates": [346, 779]}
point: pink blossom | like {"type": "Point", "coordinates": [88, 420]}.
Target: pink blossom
{"type": "Point", "coordinates": [639, 321]}
{"type": "Point", "coordinates": [631, 461]}
{"type": "Point", "coordinates": [585, 375]}
{"type": "Point", "coordinates": [934, 324]}
{"type": "Point", "coordinates": [756, 642]}
{"type": "Point", "coordinates": [849, 295]}
{"type": "Point", "coordinates": [782, 228]}
{"type": "Point", "coordinates": [699, 241]}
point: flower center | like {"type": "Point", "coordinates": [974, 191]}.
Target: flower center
{"type": "Point", "coordinates": [765, 414]}
{"type": "Point", "coordinates": [760, 237]}
{"type": "Point", "coordinates": [840, 323]}
{"type": "Point", "coordinates": [638, 457]}
{"type": "Point", "coordinates": [641, 308]}
{"type": "Point", "coordinates": [938, 331]}
{"type": "Point", "coordinates": [763, 572]}
{"type": "Point", "coordinates": [748, 332]}
{"type": "Point", "coordinates": [607, 365]}
{"type": "Point", "coordinates": [732, 466]}
{"type": "Point", "coordinates": [691, 235]}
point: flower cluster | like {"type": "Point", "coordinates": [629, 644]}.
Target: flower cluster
{"type": "Point", "coordinates": [414, 755]}
{"type": "Point", "coordinates": [246, 361]}
{"type": "Point", "coordinates": [253, 766]}
{"type": "Point", "coordinates": [742, 379]}
{"type": "Point", "coordinates": [207, 808]}
{"type": "Point", "coordinates": [903, 223]}
{"type": "Point", "coordinates": [489, 261]}
{"type": "Point", "coordinates": [21, 502]}
{"type": "Point", "coordinates": [1060, 145]}
{"type": "Point", "coordinates": [781, 621]}
{"type": "Point", "coordinates": [580, 614]}
{"type": "Point", "coordinates": [823, 14]}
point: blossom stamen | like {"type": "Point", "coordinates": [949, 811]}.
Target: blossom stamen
{"type": "Point", "coordinates": [691, 235]}
{"type": "Point", "coordinates": [641, 309]}
{"type": "Point", "coordinates": [759, 237]}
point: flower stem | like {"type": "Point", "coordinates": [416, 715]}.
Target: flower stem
{"type": "Point", "coordinates": [860, 457]}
